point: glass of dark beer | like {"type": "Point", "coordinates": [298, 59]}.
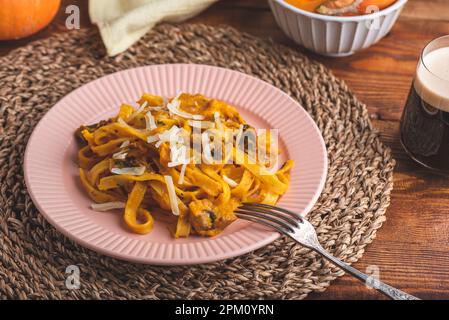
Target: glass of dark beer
{"type": "Point", "coordinates": [425, 120]}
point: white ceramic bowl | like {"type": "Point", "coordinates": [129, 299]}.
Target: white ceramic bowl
{"type": "Point", "coordinates": [332, 35]}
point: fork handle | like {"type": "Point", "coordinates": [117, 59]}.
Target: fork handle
{"type": "Point", "coordinates": [378, 285]}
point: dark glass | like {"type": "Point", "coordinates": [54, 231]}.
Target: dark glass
{"type": "Point", "coordinates": [425, 133]}
{"type": "Point", "coordinates": [425, 120]}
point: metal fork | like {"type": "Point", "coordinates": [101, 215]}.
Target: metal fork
{"type": "Point", "coordinates": [300, 230]}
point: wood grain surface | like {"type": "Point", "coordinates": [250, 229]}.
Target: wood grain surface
{"type": "Point", "coordinates": [412, 248]}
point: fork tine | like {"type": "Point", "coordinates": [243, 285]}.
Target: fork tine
{"type": "Point", "coordinates": [253, 214]}
{"type": "Point", "coordinates": [261, 221]}
{"type": "Point", "coordinates": [267, 206]}
{"type": "Point", "coordinates": [282, 216]}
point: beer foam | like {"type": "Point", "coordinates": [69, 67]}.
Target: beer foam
{"type": "Point", "coordinates": [432, 79]}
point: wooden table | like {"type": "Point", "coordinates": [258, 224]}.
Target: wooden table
{"type": "Point", "coordinates": [412, 247]}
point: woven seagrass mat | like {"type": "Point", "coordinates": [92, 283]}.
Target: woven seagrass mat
{"type": "Point", "coordinates": [34, 256]}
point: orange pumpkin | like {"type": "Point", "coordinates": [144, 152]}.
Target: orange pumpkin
{"type": "Point", "coordinates": [22, 18]}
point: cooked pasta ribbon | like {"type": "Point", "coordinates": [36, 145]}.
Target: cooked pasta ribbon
{"type": "Point", "coordinates": [132, 210]}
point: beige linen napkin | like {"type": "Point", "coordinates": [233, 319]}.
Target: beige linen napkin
{"type": "Point", "coordinates": [124, 22]}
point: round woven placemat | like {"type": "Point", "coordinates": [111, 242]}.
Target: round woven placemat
{"type": "Point", "coordinates": [34, 256]}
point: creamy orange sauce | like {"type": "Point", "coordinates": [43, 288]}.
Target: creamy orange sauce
{"type": "Point", "coordinates": [364, 8]}
{"type": "Point", "coordinates": [308, 5]}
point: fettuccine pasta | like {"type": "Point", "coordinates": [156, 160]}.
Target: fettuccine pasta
{"type": "Point", "coordinates": [144, 162]}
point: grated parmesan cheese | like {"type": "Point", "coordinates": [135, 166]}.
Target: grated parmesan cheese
{"type": "Point", "coordinates": [139, 110]}
{"type": "Point", "coordinates": [122, 122]}
{"type": "Point", "coordinates": [167, 135]}
{"type": "Point", "coordinates": [230, 182]}
{"type": "Point", "coordinates": [172, 195]}
{"type": "Point", "coordinates": [124, 144]}
{"type": "Point", "coordinates": [158, 144]}
{"type": "Point", "coordinates": [173, 164]}
{"type": "Point", "coordinates": [132, 171]}
{"type": "Point", "coordinates": [107, 206]}
{"type": "Point", "coordinates": [120, 155]}
{"type": "Point", "coordinates": [178, 154]}
{"type": "Point", "coordinates": [157, 108]}
{"type": "Point", "coordinates": [197, 117]}
{"type": "Point", "coordinates": [151, 139]}
{"type": "Point", "coordinates": [149, 121]}
{"type": "Point", "coordinates": [174, 105]}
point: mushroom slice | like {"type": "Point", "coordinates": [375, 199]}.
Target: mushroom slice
{"type": "Point", "coordinates": [339, 7]}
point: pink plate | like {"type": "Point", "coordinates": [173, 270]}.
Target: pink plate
{"type": "Point", "coordinates": [51, 172]}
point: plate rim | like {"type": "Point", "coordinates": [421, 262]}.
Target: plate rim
{"type": "Point", "coordinates": [271, 235]}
